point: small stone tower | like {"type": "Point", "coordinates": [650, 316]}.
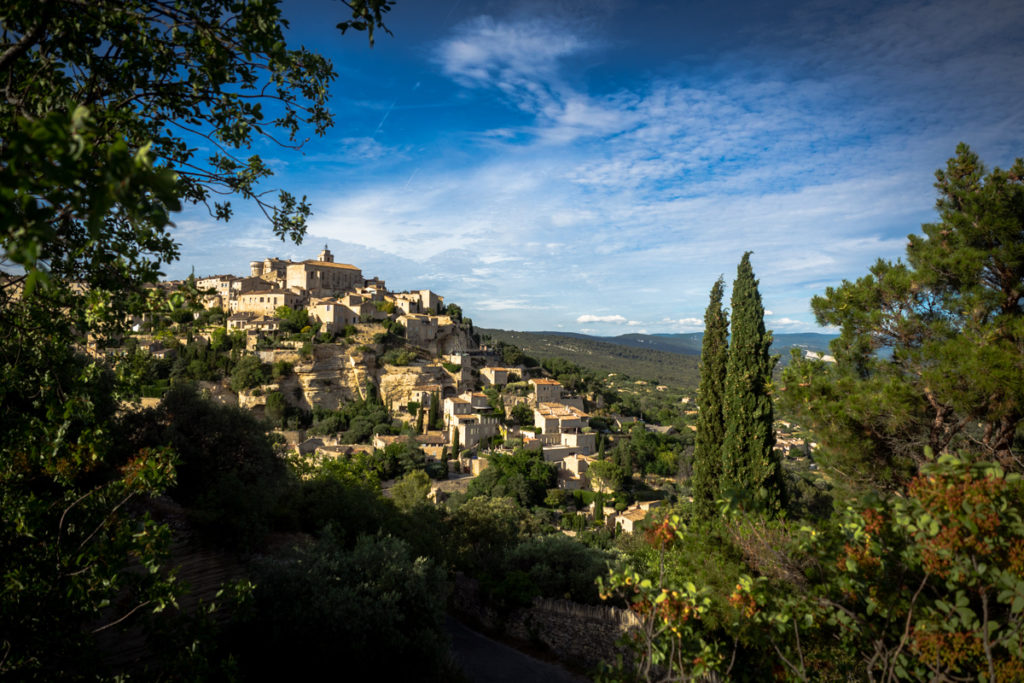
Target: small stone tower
{"type": "Point", "coordinates": [326, 256]}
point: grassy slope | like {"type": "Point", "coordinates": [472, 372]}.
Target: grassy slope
{"type": "Point", "coordinates": [663, 367]}
{"type": "Point", "coordinates": [667, 359]}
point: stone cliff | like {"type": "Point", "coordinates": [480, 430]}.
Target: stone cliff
{"type": "Point", "coordinates": [329, 375]}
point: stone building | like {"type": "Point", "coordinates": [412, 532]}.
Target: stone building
{"type": "Point", "coordinates": [266, 302]}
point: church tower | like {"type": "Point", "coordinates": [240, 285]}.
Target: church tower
{"type": "Point", "coordinates": [326, 256]}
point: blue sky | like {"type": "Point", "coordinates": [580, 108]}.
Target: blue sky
{"type": "Point", "coordinates": [594, 166]}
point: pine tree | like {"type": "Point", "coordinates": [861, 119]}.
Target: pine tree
{"type": "Point", "coordinates": [930, 350]}
{"type": "Point", "coordinates": [707, 452]}
{"type": "Point", "coordinates": [432, 415]}
{"type": "Point", "coordinates": [749, 463]}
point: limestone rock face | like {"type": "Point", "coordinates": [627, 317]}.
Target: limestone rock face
{"type": "Point", "coordinates": [451, 338]}
{"type": "Point", "coordinates": [275, 355]}
{"type": "Point", "coordinates": [399, 385]}
{"type": "Point", "coordinates": [335, 375]}
{"type": "Point", "coordinates": [339, 373]}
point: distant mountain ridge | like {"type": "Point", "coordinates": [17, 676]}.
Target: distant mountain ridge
{"type": "Point", "coordinates": [689, 343]}
{"type": "Point", "coordinates": [671, 358]}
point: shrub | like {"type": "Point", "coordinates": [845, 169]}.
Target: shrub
{"type": "Point", "coordinates": [373, 603]}
{"type": "Point", "coordinates": [281, 369]}
{"type": "Point", "coordinates": [398, 357]}
{"type": "Point", "coordinates": [247, 373]}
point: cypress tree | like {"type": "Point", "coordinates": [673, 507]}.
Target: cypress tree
{"type": "Point", "coordinates": [707, 452]}
{"type": "Point", "coordinates": [749, 464]}
{"type": "Point", "coordinates": [432, 415]}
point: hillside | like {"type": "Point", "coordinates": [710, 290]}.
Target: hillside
{"type": "Point", "coordinates": [690, 342]}
{"type": "Point", "coordinates": [665, 358]}
{"type": "Point", "coordinates": [607, 355]}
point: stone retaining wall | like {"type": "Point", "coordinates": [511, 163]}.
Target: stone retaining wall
{"type": "Point", "coordinates": [584, 635]}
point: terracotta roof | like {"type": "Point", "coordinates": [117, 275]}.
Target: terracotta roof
{"type": "Point", "coordinates": [328, 264]}
{"type": "Point", "coordinates": [635, 515]}
{"type": "Point", "coordinates": [560, 410]}
{"type": "Point", "coordinates": [543, 380]}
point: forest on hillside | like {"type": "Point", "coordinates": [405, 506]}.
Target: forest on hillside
{"type": "Point", "coordinates": [893, 549]}
{"type": "Point", "coordinates": [659, 367]}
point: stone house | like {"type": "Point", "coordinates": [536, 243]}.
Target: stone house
{"type": "Point", "coordinates": [251, 322]}
{"type": "Point", "coordinates": [495, 376]}
{"type": "Point", "coordinates": [270, 269]}
{"type": "Point", "coordinates": [472, 429]}
{"type": "Point", "coordinates": [432, 444]}
{"type": "Point", "coordinates": [572, 473]}
{"type": "Point", "coordinates": [456, 406]}
{"type": "Point", "coordinates": [478, 400]}
{"type": "Point", "coordinates": [408, 303]}
{"type": "Point", "coordinates": [266, 302]}
{"type": "Point", "coordinates": [556, 417]}
{"type": "Point", "coordinates": [546, 390]}
{"type": "Point", "coordinates": [581, 442]}
{"type": "Point", "coordinates": [322, 277]}
{"type": "Point", "coordinates": [332, 314]}
{"type": "Point", "coordinates": [219, 288]}
{"type": "Point", "coordinates": [628, 520]}
{"type": "Point", "coordinates": [420, 330]}
{"type": "Point", "coordinates": [363, 305]}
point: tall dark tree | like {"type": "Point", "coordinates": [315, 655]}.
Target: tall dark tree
{"type": "Point", "coordinates": [749, 463]}
{"type": "Point", "coordinates": [930, 350]}
{"type": "Point", "coordinates": [102, 108]}
{"type": "Point", "coordinates": [433, 413]}
{"type": "Point", "coordinates": [707, 453]}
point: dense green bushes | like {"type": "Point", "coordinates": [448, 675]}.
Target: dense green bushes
{"type": "Point", "coordinates": [522, 476]}
{"type": "Point", "coordinates": [227, 475]}
{"type": "Point", "coordinates": [354, 422]}
{"type": "Point", "coordinates": [363, 609]}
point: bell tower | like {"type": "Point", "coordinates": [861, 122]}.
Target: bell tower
{"type": "Point", "coordinates": [326, 256]}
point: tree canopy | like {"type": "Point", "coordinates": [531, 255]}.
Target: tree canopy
{"type": "Point", "coordinates": [749, 463]}
{"type": "Point", "coordinates": [707, 452]}
{"type": "Point", "coordinates": [929, 352]}
{"type": "Point", "coordinates": [104, 107]}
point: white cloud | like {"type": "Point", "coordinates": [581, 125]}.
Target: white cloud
{"type": "Point", "coordinates": [588, 318]}
{"type": "Point", "coordinates": [502, 304]}
{"type": "Point", "coordinates": [685, 322]}
{"type": "Point", "coordinates": [667, 181]}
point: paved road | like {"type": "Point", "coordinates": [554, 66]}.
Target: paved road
{"type": "Point", "coordinates": [487, 661]}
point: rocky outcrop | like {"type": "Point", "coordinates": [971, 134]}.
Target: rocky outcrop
{"type": "Point", "coordinates": [336, 374]}
{"type": "Point", "coordinates": [330, 375]}
{"type": "Point", "coordinates": [401, 384]}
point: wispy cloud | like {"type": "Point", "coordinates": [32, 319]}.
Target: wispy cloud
{"type": "Point", "coordinates": [813, 146]}
{"type": "Point", "coordinates": [502, 304]}
{"type": "Point", "coordinates": [590, 318]}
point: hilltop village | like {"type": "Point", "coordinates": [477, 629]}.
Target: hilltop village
{"type": "Point", "coordinates": [456, 399]}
